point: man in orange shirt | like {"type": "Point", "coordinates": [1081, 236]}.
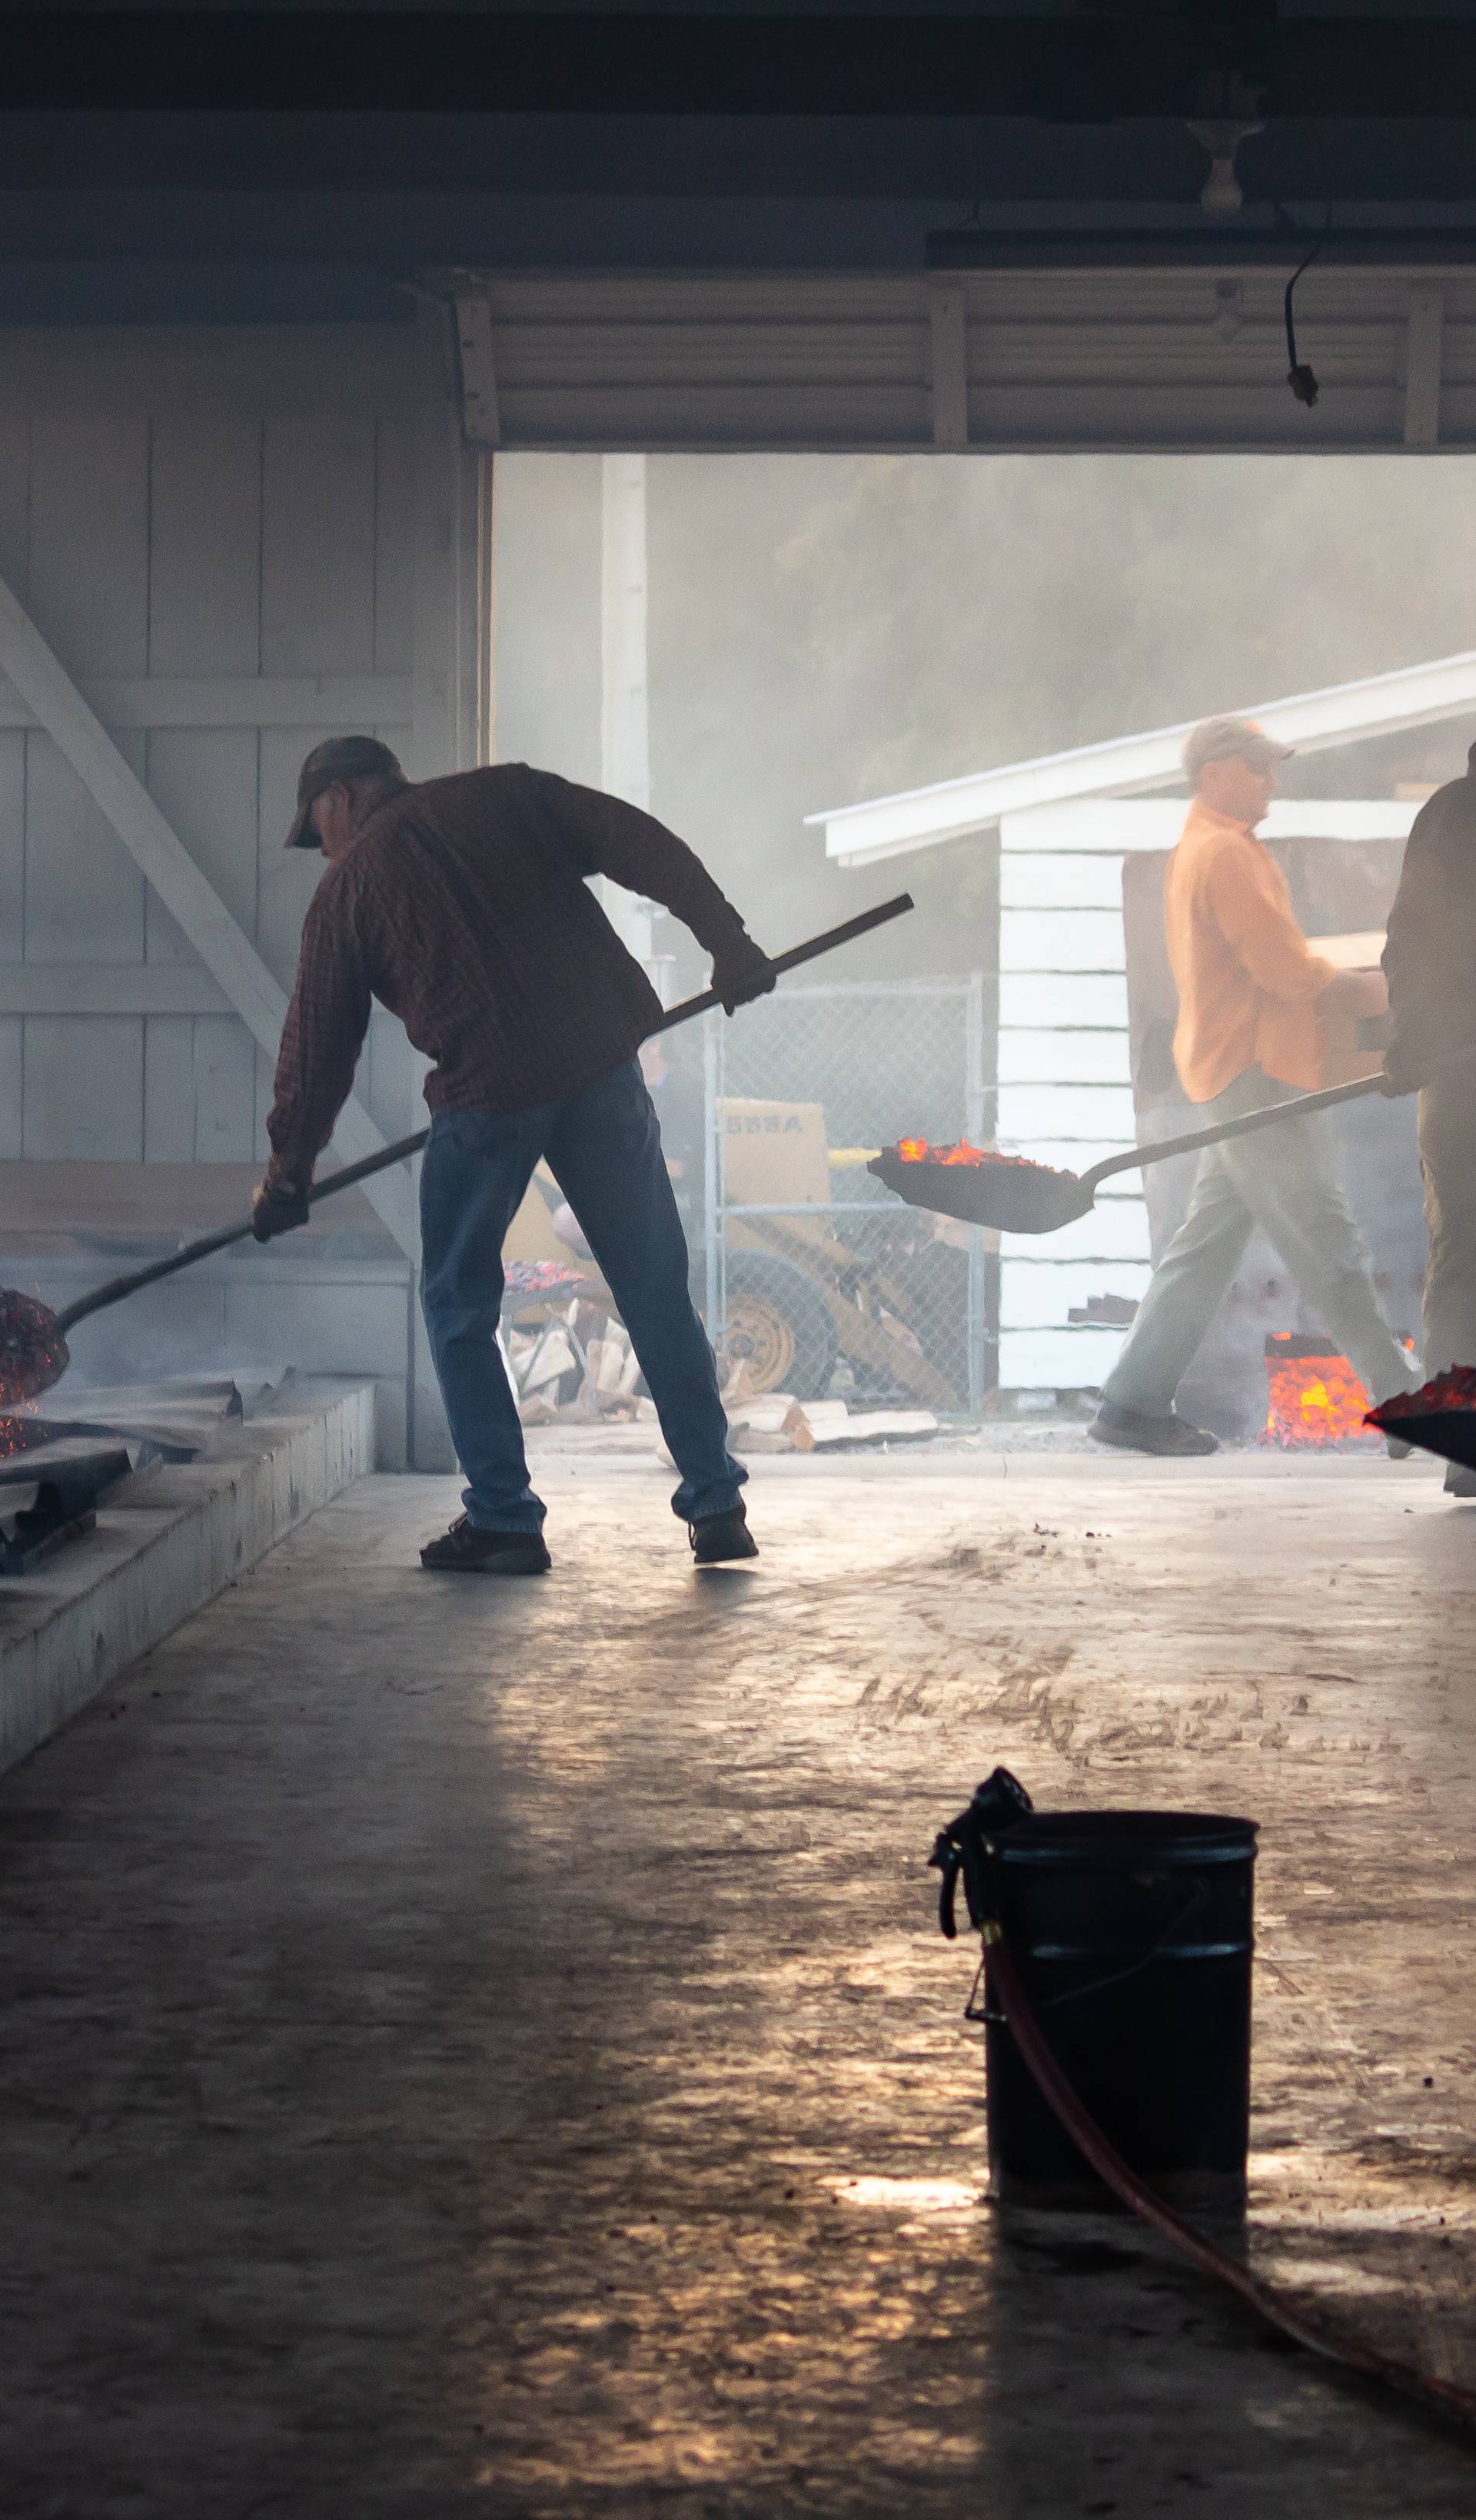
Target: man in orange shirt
{"type": "Point", "coordinates": [1250, 988]}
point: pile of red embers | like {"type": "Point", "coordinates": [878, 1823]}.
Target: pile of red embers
{"type": "Point", "coordinates": [916, 1150]}
{"type": "Point", "coordinates": [1456, 1390]}
{"type": "Point", "coordinates": [32, 1353]}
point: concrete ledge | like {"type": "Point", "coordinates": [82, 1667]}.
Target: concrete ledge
{"type": "Point", "coordinates": [166, 1541]}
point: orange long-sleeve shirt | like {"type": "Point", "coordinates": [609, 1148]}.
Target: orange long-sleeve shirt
{"type": "Point", "coordinates": [1248, 980]}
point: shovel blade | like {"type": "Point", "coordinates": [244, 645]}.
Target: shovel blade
{"type": "Point", "coordinates": [1011, 1197]}
{"type": "Point", "coordinates": [1440, 1418]}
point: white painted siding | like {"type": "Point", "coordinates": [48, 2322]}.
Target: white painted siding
{"type": "Point", "coordinates": [1061, 940]}
{"type": "Point", "coordinates": [1031, 1056]}
{"type": "Point", "coordinates": [1060, 1360]}
{"type": "Point", "coordinates": [1115, 1229]}
{"type": "Point", "coordinates": [1064, 999]}
{"type": "Point", "coordinates": [1039, 1295]}
{"type": "Point", "coordinates": [1065, 1090]}
{"type": "Point", "coordinates": [218, 534]}
{"type": "Point", "coordinates": [1103, 1113]}
{"type": "Point", "coordinates": [1051, 881]}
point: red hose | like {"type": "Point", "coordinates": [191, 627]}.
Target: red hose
{"type": "Point", "coordinates": [1319, 2336]}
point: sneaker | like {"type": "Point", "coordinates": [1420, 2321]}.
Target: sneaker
{"type": "Point", "coordinates": [466, 1551]}
{"type": "Point", "coordinates": [721, 1536]}
{"type": "Point", "coordinates": [1173, 1436]}
{"type": "Point", "coordinates": [1460, 1481]}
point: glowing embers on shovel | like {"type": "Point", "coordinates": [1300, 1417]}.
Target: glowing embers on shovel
{"type": "Point", "coordinates": [1440, 1417]}
{"type": "Point", "coordinates": [33, 1354]}
{"type": "Point", "coordinates": [981, 1186]}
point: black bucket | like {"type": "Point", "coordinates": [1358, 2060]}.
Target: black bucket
{"type": "Point", "coordinates": [1132, 1933]}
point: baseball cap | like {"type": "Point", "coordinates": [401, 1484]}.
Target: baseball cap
{"type": "Point", "coordinates": [1232, 739]}
{"type": "Point", "coordinates": [343, 756]}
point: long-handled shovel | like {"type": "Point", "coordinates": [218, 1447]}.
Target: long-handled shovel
{"type": "Point", "coordinates": [33, 1353]}
{"type": "Point", "coordinates": [1017, 1196]}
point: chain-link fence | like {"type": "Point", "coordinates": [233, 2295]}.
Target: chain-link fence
{"type": "Point", "coordinates": [816, 1279]}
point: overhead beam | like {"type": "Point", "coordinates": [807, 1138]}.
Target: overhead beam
{"type": "Point", "coordinates": [79, 735]}
{"type": "Point", "coordinates": [1079, 69]}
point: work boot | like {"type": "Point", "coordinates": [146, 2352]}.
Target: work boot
{"type": "Point", "coordinates": [720, 1537]}
{"type": "Point", "coordinates": [466, 1551]}
{"type": "Point", "coordinates": [1460, 1481]}
{"type": "Point", "coordinates": [1132, 1433]}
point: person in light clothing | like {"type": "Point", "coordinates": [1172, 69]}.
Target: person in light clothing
{"type": "Point", "coordinates": [1250, 992]}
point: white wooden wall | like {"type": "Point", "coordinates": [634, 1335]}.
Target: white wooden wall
{"type": "Point", "coordinates": [237, 542]}
{"type": "Point", "coordinates": [1065, 1076]}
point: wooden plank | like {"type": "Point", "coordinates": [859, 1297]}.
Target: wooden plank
{"type": "Point", "coordinates": [164, 989]}
{"type": "Point", "coordinates": [318, 547]}
{"type": "Point", "coordinates": [205, 784]}
{"type": "Point", "coordinates": [1114, 1229]}
{"type": "Point", "coordinates": [89, 540]}
{"type": "Point", "coordinates": [234, 699]}
{"type": "Point", "coordinates": [225, 1090]}
{"type": "Point", "coordinates": [286, 879]}
{"type": "Point", "coordinates": [14, 498]}
{"type": "Point", "coordinates": [1425, 354]}
{"type": "Point", "coordinates": [205, 548]}
{"type": "Point", "coordinates": [84, 1089]}
{"type": "Point", "coordinates": [1057, 881]}
{"type": "Point", "coordinates": [393, 575]}
{"type": "Point", "coordinates": [169, 1088]}
{"type": "Point", "coordinates": [479, 418]}
{"type": "Point", "coordinates": [1087, 1111]}
{"type": "Point", "coordinates": [433, 749]}
{"type": "Point", "coordinates": [1038, 1294]}
{"type": "Point", "coordinates": [84, 895]}
{"type": "Point", "coordinates": [1061, 940]}
{"type": "Point", "coordinates": [1057, 1360]}
{"type": "Point", "coordinates": [11, 1086]}
{"type": "Point", "coordinates": [276, 370]}
{"type": "Point", "coordinates": [1077, 1057]}
{"type": "Point", "coordinates": [1060, 998]}
{"type": "Point", "coordinates": [264, 1083]}
{"type": "Point", "coordinates": [164, 859]}
{"type": "Point", "coordinates": [12, 848]}
{"type": "Point", "coordinates": [949, 364]}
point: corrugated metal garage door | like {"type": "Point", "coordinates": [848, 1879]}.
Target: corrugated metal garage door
{"type": "Point", "coordinates": [1190, 359]}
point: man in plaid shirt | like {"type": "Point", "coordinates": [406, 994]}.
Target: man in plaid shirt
{"type": "Point", "coordinates": [461, 905]}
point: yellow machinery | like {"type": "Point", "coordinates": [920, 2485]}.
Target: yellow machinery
{"type": "Point", "coordinates": [801, 1296]}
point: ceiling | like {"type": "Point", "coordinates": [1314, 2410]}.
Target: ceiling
{"type": "Point", "coordinates": [958, 225]}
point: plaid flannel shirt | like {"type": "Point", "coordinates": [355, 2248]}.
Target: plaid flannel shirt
{"type": "Point", "coordinates": [463, 908]}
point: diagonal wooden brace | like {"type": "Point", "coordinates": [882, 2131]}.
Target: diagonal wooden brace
{"type": "Point", "coordinates": [227, 953]}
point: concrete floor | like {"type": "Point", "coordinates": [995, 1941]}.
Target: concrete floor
{"type": "Point", "coordinates": [486, 2049]}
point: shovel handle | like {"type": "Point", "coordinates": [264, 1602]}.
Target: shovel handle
{"type": "Point", "coordinates": [404, 1147]}
{"type": "Point", "coordinates": [1269, 1117]}
{"type": "Point", "coordinates": [812, 947]}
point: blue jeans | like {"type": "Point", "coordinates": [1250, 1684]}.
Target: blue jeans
{"type": "Point", "coordinates": [603, 1148]}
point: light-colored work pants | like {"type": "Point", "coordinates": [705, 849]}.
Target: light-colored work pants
{"type": "Point", "coordinates": [1285, 1180]}
{"type": "Point", "coordinates": [1448, 1160]}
